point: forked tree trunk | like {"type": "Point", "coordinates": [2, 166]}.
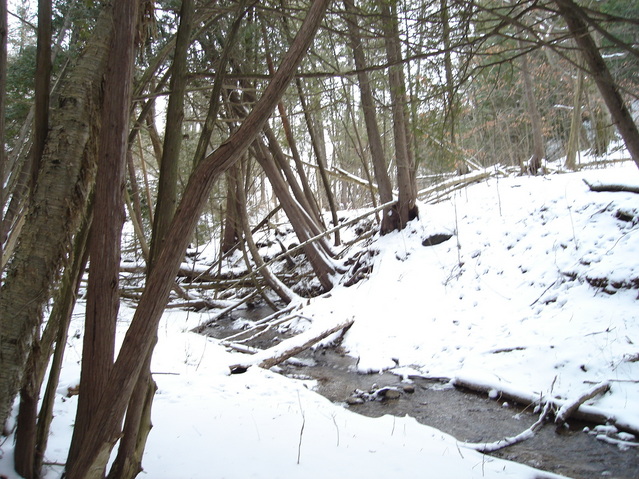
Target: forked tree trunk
{"type": "Point", "coordinates": [104, 425]}
{"type": "Point", "coordinates": [574, 16]}
{"type": "Point", "coordinates": [56, 211]}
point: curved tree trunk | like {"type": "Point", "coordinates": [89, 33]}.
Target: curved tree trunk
{"type": "Point", "coordinates": [59, 200]}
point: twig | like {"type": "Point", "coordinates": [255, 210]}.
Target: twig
{"type": "Point", "coordinates": [299, 445]}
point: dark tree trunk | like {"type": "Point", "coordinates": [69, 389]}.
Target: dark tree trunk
{"type": "Point", "coordinates": [103, 297]}
{"type": "Point", "coordinates": [574, 16]}
{"type": "Point", "coordinates": [407, 203]}
{"type": "Point", "coordinates": [535, 118]}
{"type": "Point", "coordinates": [3, 96]}
{"type": "Point", "coordinates": [390, 217]}
{"type": "Point", "coordinates": [316, 133]}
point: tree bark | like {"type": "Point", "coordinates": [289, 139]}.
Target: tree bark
{"type": "Point", "coordinates": [572, 147]}
{"type": "Point", "coordinates": [56, 211]}
{"type": "Point", "coordinates": [284, 293]}
{"type": "Point", "coordinates": [3, 96]}
{"type": "Point", "coordinates": [535, 118]}
{"type": "Point", "coordinates": [103, 299]}
{"type": "Point", "coordinates": [574, 15]}
{"type": "Point", "coordinates": [407, 202]}
{"type": "Point", "coordinates": [390, 218]}
{"type": "Point", "coordinates": [316, 132]}
{"type": "Point", "coordinates": [42, 80]}
{"type": "Point", "coordinates": [138, 342]}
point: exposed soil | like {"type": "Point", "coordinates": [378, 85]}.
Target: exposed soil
{"type": "Point", "coordinates": [466, 415]}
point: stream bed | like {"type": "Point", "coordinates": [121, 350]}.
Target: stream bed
{"type": "Point", "coordinates": [466, 415]}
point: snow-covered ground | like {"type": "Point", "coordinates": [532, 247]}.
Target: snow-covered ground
{"type": "Point", "coordinates": [515, 300]}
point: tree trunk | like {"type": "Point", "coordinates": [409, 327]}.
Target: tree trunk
{"type": "Point", "coordinates": [272, 281]}
{"type": "Point", "coordinates": [316, 132]}
{"type": "Point", "coordinates": [299, 219]}
{"type": "Point", "coordinates": [61, 318]}
{"type": "Point", "coordinates": [574, 15]}
{"type": "Point", "coordinates": [42, 80]}
{"type": "Point", "coordinates": [407, 203]}
{"type": "Point", "coordinates": [3, 95]}
{"type": "Point", "coordinates": [575, 124]}
{"type": "Point", "coordinates": [105, 422]}
{"type": "Point", "coordinates": [535, 118]}
{"type": "Point", "coordinates": [128, 462]}
{"type": "Point", "coordinates": [103, 298]}
{"type": "Point", "coordinates": [56, 211]}
{"type": "Point", "coordinates": [390, 218]}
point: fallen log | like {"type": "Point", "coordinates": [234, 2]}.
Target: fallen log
{"type": "Point", "coordinates": [273, 356]}
{"type": "Point", "coordinates": [610, 187]}
{"type": "Point", "coordinates": [583, 412]}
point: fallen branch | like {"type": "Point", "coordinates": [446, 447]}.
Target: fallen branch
{"type": "Point", "coordinates": [457, 182]}
{"type": "Point", "coordinates": [509, 441]}
{"type": "Point", "coordinates": [571, 406]}
{"type": "Point", "coordinates": [201, 327]}
{"type": "Point", "coordinates": [614, 188]}
{"type": "Point", "coordinates": [273, 356]}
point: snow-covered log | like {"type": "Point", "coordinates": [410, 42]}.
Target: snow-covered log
{"type": "Point", "coordinates": [612, 187]}
{"type": "Point", "coordinates": [289, 347]}
{"type": "Point", "coordinates": [583, 412]}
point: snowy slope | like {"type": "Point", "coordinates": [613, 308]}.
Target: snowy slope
{"type": "Point", "coordinates": [508, 301]}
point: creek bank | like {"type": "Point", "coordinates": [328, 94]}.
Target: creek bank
{"type": "Point", "coordinates": [466, 415]}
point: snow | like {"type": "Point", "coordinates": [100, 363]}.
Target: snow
{"type": "Point", "coordinates": [515, 300]}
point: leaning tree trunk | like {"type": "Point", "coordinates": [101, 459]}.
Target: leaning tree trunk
{"type": "Point", "coordinates": [574, 16]}
{"type": "Point", "coordinates": [105, 423]}
{"type": "Point", "coordinates": [66, 176]}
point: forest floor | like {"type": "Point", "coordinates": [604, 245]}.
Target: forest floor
{"type": "Point", "coordinates": [534, 295]}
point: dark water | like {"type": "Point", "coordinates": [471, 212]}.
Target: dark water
{"type": "Point", "coordinates": [464, 414]}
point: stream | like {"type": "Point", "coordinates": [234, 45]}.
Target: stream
{"type": "Point", "coordinates": [464, 414]}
